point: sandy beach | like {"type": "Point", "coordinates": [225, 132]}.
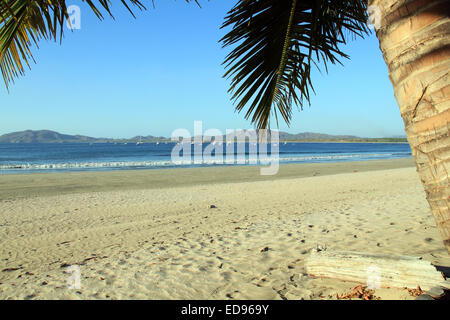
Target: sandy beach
{"type": "Point", "coordinates": [206, 233]}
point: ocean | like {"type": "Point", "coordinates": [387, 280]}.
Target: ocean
{"type": "Point", "coordinates": [29, 158]}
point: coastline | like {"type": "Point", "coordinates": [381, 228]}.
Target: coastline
{"type": "Point", "coordinates": [207, 233]}
{"type": "Point", "coordinates": [334, 141]}
{"type": "Point", "coordinates": [14, 186]}
{"type": "Point", "coordinates": [170, 141]}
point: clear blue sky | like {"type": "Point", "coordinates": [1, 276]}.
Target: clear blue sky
{"type": "Point", "coordinates": [162, 71]}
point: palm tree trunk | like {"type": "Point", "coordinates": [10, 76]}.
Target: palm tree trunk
{"type": "Point", "coordinates": [414, 37]}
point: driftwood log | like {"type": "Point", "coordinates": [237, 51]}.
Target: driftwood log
{"type": "Point", "coordinates": [433, 294]}
{"type": "Point", "coordinates": [375, 270]}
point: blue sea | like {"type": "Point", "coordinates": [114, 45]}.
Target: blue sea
{"type": "Point", "coordinates": [28, 158]}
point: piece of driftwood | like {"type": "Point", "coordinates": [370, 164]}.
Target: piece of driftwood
{"type": "Point", "coordinates": [432, 294]}
{"type": "Point", "coordinates": [425, 297]}
{"type": "Point", "coordinates": [375, 270]}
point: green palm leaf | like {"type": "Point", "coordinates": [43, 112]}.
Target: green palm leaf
{"type": "Point", "coordinates": [276, 42]}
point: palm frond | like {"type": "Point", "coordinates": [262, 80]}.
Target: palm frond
{"type": "Point", "coordinates": [276, 42]}
{"type": "Point", "coordinates": [25, 22]}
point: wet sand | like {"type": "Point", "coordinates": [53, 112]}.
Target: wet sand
{"type": "Point", "coordinates": [46, 184]}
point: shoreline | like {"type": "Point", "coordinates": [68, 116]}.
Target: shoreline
{"type": "Point", "coordinates": [14, 186]}
{"type": "Point", "coordinates": [208, 233]}
{"type": "Point", "coordinates": [170, 141]}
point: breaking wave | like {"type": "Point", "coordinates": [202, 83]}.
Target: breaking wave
{"type": "Point", "coordinates": [248, 160]}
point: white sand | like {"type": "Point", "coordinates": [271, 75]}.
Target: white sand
{"type": "Point", "coordinates": [169, 244]}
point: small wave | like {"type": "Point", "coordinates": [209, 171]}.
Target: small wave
{"type": "Point", "coordinates": [239, 160]}
{"type": "Point", "coordinates": [85, 165]}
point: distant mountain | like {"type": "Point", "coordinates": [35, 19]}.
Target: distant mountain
{"type": "Point", "coordinates": [241, 135]}
{"type": "Point", "coordinates": [43, 136]}
{"type": "Point", "coordinates": [47, 136]}
{"type": "Point", "coordinates": [314, 136]}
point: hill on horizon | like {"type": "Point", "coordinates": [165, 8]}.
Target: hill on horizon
{"type": "Point", "coordinates": [48, 136]}
{"type": "Point", "coordinates": [42, 136]}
